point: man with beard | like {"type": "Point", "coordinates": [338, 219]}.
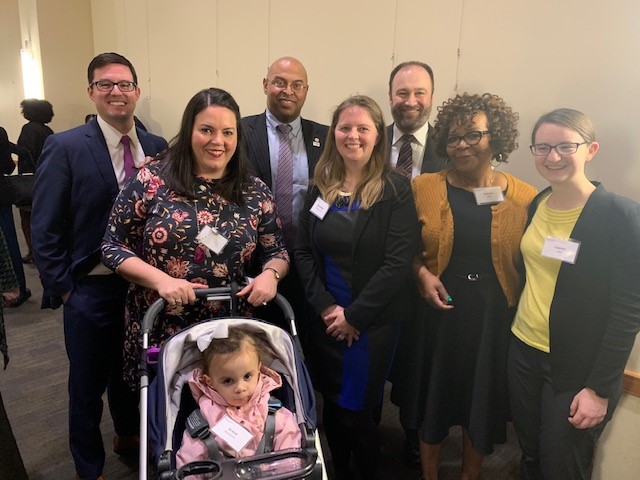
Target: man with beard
{"type": "Point", "coordinates": [283, 149]}
{"type": "Point", "coordinates": [410, 98]}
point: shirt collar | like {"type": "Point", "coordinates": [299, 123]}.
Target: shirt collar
{"type": "Point", "coordinates": [273, 122]}
{"type": "Point", "coordinates": [113, 136]}
{"type": "Point", "coordinates": [420, 134]}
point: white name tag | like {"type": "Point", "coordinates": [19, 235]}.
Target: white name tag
{"type": "Point", "coordinates": [232, 433]}
{"type": "Point", "coordinates": [563, 250]}
{"type": "Point", "coordinates": [487, 195]}
{"type": "Point", "coordinates": [212, 239]}
{"type": "Point", "coordinates": [319, 208]}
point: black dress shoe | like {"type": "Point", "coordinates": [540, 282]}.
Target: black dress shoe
{"type": "Point", "coordinates": [24, 296]}
{"type": "Point", "coordinates": [412, 451]}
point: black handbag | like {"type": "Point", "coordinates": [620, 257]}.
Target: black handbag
{"type": "Point", "coordinates": [19, 187]}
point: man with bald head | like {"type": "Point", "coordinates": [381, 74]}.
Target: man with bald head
{"type": "Point", "coordinates": [283, 149]}
{"type": "Point", "coordinates": [410, 98]}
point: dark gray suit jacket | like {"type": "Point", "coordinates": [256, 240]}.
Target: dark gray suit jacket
{"type": "Point", "coordinates": [431, 162]}
{"type": "Point", "coordinates": [257, 144]}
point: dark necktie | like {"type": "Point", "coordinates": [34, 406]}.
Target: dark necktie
{"type": "Point", "coordinates": [129, 164]}
{"type": "Point", "coordinates": [405, 156]}
{"type": "Point", "coordinates": [284, 183]}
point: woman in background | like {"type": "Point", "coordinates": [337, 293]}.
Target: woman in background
{"type": "Point", "coordinates": [472, 218]}
{"type": "Point", "coordinates": [580, 309]}
{"type": "Point", "coordinates": [356, 238]}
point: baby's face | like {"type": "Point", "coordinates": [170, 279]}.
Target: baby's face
{"type": "Point", "coordinates": [235, 376]}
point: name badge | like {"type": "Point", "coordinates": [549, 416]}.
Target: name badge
{"type": "Point", "coordinates": [232, 433]}
{"type": "Point", "coordinates": [563, 250]}
{"type": "Point", "coordinates": [319, 208]}
{"type": "Point", "coordinates": [487, 195]}
{"type": "Point", "coordinates": [213, 239]}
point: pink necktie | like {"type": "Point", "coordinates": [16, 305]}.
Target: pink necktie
{"type": "Point", "coordinates": [405, 156]}
{"type": "Point", "coordinates": [284, 183]}
{"type": "Point", "coordinates": [129, 164]}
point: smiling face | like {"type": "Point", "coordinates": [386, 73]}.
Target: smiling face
{"type": "Point", "coordinates": [471, 159]}
{"type": "Point", "coordinates": [410, 98]}
{"type": "Point", "coordinates": [285, 104]}
{"type": "Point", "coordinates": [356, 136]}
{"type": "Point", "coordinates": [235, 375]}
{"type": "Point", "coordinates": [558, 169]}
{"type": "Point", "coordinates": [115, 107]}
{"type": "Point", "coordinates": [214, 141]}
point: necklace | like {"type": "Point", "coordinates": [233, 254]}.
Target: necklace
{"type": "Point", "coordinates": [466, 186]}
{"type": "Point", "coordinates": [344, 194]}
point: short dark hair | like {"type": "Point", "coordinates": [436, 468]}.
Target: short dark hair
{"type": "Point", "coordinates": [34, 110]}
{"type": "Point", "coordinates": [179, 159]}
{"type": "Point", "coordinates": [410, 63]}
{"type": "Point", "coordinates": [109, 58]}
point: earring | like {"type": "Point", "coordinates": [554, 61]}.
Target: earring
{"type": "Point", "coordinates": [496, 160]}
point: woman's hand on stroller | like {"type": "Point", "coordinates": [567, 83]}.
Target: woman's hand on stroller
{"type": "Point", "coordinates": [261, 289]}
{"type": "Point", "coordinates": [178, 291]}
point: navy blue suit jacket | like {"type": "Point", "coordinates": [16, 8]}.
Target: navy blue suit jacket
{"type": "Point", "coordinates": [72, 199]}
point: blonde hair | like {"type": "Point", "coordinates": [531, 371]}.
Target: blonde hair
{"type": "Point", "coordinates": [330, 172]}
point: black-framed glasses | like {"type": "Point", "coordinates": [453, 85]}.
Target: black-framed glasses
{"type": "Point", "coordinates": [280, 84]}
{"type": "Point", "coordinates": [107, 85]}
{"type": "Point", "coordinates": [564, 148]}
{"type": "Point", "coordinates": [470, 138]}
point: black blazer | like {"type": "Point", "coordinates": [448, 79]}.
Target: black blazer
{"type": "Point", "coordinates": [257, 144]}
{"type": "Point", "coordinates": [383, 246]}
{"type": "Point", "coordinates": [595, 311]}
{"type": "Point", "coordinates": [72, 198]}
{"type": "Point", "coordinates": [431, 162]}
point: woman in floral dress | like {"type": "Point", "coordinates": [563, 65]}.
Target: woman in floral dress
{"type": "Point", "coordinates": [193, 218]}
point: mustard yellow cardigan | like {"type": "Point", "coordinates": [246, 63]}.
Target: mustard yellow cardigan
{"type": "Point", "coordinates": [508, 222]}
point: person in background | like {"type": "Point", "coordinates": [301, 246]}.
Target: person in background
{"type": "Point", "coordinates": [352, 280]}
{"type": "Point", "coordinates": [7, 166]}
{"type": "Point", "coordinates": [11, 465]}
{"type": "Point", "coordinates": [283, 149]}
{"type": "Point", "coordinates": [472, 217]}
{"type": "Point", "coordinates": [193, 219]}
{"type": "Point", "coordinates": [32, 137]}
{"type": "Point", "coordinates": [579, 312]}
{"type": "Point", "coordinates": [79, 175]}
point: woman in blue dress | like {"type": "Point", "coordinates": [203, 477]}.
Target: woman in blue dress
{"type": "Point", "coordinates": [356, 238]}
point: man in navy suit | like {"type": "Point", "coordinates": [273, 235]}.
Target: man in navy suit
{"type": "Point", "coordinates": [410, 98]}
{"type": "Point", "coordinates": [286, 89]}
{"type": "Point", "coordinates": [79, 174]}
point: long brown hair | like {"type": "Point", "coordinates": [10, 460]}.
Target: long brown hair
{"type": "Point", "coordinates": [330, 172]}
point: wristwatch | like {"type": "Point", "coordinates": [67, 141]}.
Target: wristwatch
{"type": "Point", "coordinates": [275, 272]}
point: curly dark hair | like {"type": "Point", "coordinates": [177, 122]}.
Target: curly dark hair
{"type": "Point", "coordinates": [502, 122]}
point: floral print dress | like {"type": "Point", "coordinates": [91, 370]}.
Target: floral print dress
{"type": "Point", "coordinates": [159, 226]}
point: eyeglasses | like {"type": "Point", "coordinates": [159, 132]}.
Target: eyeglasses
{"type": "Point", "coordinates": [471, 138]}
{"type": "Point", "coordinates": [564, 148]}
{"type": "Point", "coordinates": [107, 85]}
{"type": "Point", "coordinates": [282, 85]}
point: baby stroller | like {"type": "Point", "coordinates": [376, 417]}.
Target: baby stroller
{"type": "Point", "coordinates": [166, 403]}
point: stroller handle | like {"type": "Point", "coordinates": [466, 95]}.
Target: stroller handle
{"type": "Point", "coordinates": [214, 294]}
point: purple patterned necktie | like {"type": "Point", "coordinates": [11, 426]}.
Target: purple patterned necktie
{"type": "Point", "coordinates": [405, 156]}
{"type": "Point", "coordinates": [129, 164]}
{"type": "Point", "coordinates": [284, 183]}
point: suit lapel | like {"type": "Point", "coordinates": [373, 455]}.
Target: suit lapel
{"type": "Point", "coordinates": [258, 137]}
{"type": "Point", "coordinates": [99, 151]}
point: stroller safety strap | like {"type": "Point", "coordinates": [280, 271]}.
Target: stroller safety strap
{"type": "Point", "coordinates": [198, 427]}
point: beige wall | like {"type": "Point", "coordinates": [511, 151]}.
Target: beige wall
{"type": "Point", "coordinates": [537, 55]}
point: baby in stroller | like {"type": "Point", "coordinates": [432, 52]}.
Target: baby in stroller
{"type": "Point", "coordinates": [232, 390]}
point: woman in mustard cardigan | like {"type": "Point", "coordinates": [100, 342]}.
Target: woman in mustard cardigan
{"type": "Point", "coordinates": [472, 218]}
